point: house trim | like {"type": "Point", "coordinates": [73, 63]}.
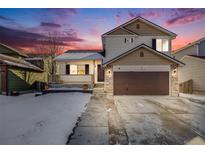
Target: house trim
{"type": "Point", "coordinates": [141, 68]}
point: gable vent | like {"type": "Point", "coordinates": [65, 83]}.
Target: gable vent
{"type": "Point", "coordinates": [138, 26]}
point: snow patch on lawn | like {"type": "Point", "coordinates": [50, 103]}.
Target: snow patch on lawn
{"type": "Point", "coordinates": [47, 119]}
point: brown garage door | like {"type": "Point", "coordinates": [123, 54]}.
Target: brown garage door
{"type": "Point", "coordinates": [141, 83]}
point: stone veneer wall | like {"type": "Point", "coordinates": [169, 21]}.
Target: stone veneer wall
{"type": "Point", "coordinates": [174, 81]}
{"type": "Point", "coordinates": [108, 83]}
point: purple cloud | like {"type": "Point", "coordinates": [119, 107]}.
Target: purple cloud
{"type": "Point", "coordinates": [145, 14]}
{"type": "Point", "coordinates": [185, 15]}
{"type": "Point", "coordinates": [24, 39]}
{"type": "Point", "coordinates": [49, 24]}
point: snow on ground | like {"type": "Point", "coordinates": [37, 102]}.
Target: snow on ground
{"type": "Point", "coordinates": [193, 96]}
{"type": "Point", "coordinates": [47, 119]}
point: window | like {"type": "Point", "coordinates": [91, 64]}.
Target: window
{"type": "Point", "coordinates": [138, 26]}
{"type": "Point", "coordinates": [129, 40]}
{"type": "Point", "coordinates": [162, 44]}
{"type": "Point", "coordinates": [73, 69]}
{"type": "Point", "coordinates": [79, 69]}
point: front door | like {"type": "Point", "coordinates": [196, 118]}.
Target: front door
{"type": "Point", "coordinates": [100, 73]}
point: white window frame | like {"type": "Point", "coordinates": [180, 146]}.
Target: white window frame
{"type": "Point", "coordinates": [164, 45]}
{"type": "Point", "coordinates": [75, 66]}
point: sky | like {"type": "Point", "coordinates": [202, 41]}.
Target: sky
{"type": "Point", "coordinates": [82, 28]}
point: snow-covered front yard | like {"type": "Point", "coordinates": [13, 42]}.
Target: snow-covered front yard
{"type": "Point", "coordinates": [46, 119]}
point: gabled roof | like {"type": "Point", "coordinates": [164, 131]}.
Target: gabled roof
{"type": "Point", "coordinates": [14, 50]}
{"type": "Point", "coordinates": [79, 55]}
{"type": "Point", "coordinates": [15, 62]}
{"type": "Point", "coordinates": [148, 48]}
{"type": "Point", "coordinates": [143, 20]}
{"type": "Point", "coordinates": [190, 44]}
{"type": "Point", "coordinates": [194, 56]}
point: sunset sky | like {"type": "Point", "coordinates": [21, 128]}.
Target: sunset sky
{"type": "Point", "coordinates": [82, 28]}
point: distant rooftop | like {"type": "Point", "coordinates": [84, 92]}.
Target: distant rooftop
{"type": "Point", "coordinates": [201, 57]}
{"type": "Point", "coordinates": [84, 51]}
{"type": "Point", "coordinates": [11, 61]}
{"type": "Point", "coordinates": [12, 49]}
{"type": "Point", "coordinates": [80, 55]}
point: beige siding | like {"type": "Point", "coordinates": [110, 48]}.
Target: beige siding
{"type": "Point", "coordinates": [76, 79]}
{"type": "Point", "coordinates": [61, 70]}
{"type": "Point", "coordinates": [149, 58]}
{"type": "Point", "coordinates": [119, 31]}
{"type": "Point", "coordinates": [115, 45]}
{"type": "Point", "coordinates": [144, 29]}
{"type": "Point", "coordinates": [195, 70]}
{"type": "Point", "coordinates": [192, 50]}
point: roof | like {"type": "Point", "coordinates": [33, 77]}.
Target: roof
{"type": "Point", "coordinates": [190, 44]}
{"type": "Point", "coordinates": [14, 50]}
{"type": "Point", "coordinates": [11, 61]}
{"type": "Point", "coordinates": [79, 55]}
{"type": "Point", "coordinates": [34, 58]}
{"type": "Point", "coordinates": [144, 20]}
{"type": "Point", "coordinates": [94, 51]}
{"type": "Point", "coordinates": [148, 48]}
{"type": "Point", "coordinates": [201, 57]}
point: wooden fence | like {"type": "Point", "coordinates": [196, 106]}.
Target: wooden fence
{"type": "Point", "coordinates": [186, 87]}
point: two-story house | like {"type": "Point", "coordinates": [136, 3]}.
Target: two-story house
{"type": "Point", "coordinates": [138, 59]}
{"type": "Point", "coordinates": [193, 55]}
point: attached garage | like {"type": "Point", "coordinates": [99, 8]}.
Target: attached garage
{"type": "Point", "coordinates": [154, 73]}
{"type": "Point", "coordinates": [141, 83]}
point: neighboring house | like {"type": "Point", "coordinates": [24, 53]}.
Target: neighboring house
{"type": "Point", "coordinates": [196, 48]}
{"type": "Point", "coordinates": [43, 61]}
{"type": "Point", "coordinates": [138, 60]}
{"type": "Point", "coordinates": [80, 67]}
{"type": "Point", "coordinates": [14, 71]}
{"type": "Point", "coordinates": [193, 55]}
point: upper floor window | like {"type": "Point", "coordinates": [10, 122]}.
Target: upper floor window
{"type": "Point", "coordinates": [162, 44]}
{"type": "Point", "coordinates": [129, 40]}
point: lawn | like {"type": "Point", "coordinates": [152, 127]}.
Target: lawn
{"type": "Point", "coordinates": [46, 119]}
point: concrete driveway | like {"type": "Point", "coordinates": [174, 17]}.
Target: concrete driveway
{"type": "Point", "coordinates": [140, 120]}
{"type": "Point", "coordinates": [162, 119]}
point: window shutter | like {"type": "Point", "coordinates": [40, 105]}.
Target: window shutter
{"type": "Point", "coordinates": [87, 69]}
{"type": "Point", "coordinates": [154, 44]}
{"type": "Point", "coordinates": [68, 69]}
{"type": "Point", "coordinates": [125, 40]}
